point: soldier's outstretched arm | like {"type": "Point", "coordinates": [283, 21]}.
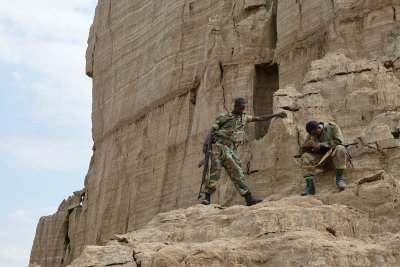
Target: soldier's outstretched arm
{"type": "Point", "coordinates": [268, 117]}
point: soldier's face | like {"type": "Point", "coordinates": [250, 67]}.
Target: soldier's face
{"type": "Point", "coordinates": [316, 133]}
{"type": "Point", "coordinates": [239, 109]}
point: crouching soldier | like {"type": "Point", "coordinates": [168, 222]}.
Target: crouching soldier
{"type": "Point", "coordinates": [323, 147]}
{"type": "Point", "coordinates": [225, 134]}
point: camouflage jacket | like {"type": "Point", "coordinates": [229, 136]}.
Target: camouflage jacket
{"type": "Point", "coordinates": [230, 126]}
{"type": "Point", "coordinates": [330, 136]}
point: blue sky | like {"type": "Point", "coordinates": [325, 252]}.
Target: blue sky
{"type": "Point", "coordinates": [45, 106]}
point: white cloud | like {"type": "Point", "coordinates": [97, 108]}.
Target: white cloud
{"type": "Point", "coordinates": [48, 39]}
{"type": "Point", "coordinates": [64, 20]}
{"type": "Point", "coordinates": [17, 76]}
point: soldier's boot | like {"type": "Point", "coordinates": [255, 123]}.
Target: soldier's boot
{"type": "Point", "coordinates": [206, 200]}
{"type": "Point", "coordinates": [250, 201]}
{"type": "Point", "coordinates": [339, 180]}
{"type": "Point", "coordinates": [310, 188]}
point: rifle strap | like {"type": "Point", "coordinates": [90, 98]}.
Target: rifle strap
{"type": "Point", "coordinates": [329, 153]}
{"type": "Point", "coordinates": [321, 161]}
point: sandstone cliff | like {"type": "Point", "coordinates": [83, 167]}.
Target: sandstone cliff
{"type": "Point", "coordinates": [291, 232]}
{"type": "Point", "coordinates": [162, 71]}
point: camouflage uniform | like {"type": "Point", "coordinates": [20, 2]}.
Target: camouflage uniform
{"type": "Point", "coordinates": [228, 128]}
{"type": "Point", "coordinates": [330, 136]}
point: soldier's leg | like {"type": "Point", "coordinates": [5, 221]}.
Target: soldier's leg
{"type": "Point", "coordinates": [233, 167]}
{"type": "Point", "coordinates": [215, 169]}
{"type": "Point", "coordinates": [339, 158]}
{"type": "Point", "coordinates": [308, 160]}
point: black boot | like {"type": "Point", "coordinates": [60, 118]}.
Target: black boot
{"type": "Point", "coordinates": [339, 181]}
{"type": "Point", "coordinates": [250, 201]}
{"type": "Point", "coordinates": [310, 189]}
{"type": "Point", "coordinates": [206, 200]}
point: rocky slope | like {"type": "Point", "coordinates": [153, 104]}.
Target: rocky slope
{"type": "Point", "coordinates": [162, 71]}
{"type": "Point", "coordinates": [291, 232]}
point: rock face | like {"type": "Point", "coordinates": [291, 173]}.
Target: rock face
{"type": "Point", "coordinates": [164, 69]}
{"type": "Point", "coordinates": [291, 232]}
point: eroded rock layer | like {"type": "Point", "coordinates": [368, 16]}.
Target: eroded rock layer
{"type": "Point", "coordinates": [292, 232]}
{"type": "Point", "coordinates": [164, 69]}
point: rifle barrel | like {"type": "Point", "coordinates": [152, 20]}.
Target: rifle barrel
{"type": "Point", "coordinates": [347, 145]}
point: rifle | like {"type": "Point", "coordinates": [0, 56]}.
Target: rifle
{"type": "Point", "coordinates": [326, 150]}
{"type": "Point", "coordinates": [352, 144]}
{"type": "Point", "coordinates": [205, 163]}
{"type": "Point", "coordinates": [346, 146]}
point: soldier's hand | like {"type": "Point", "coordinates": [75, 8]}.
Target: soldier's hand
{"type": "Point", "coordinates": [316, 147]}
{"type": "Point", "coordinates": [201, 163]}
{"type": "Point", "coordinates": [309, 144]}
{"type": "Point", "coordinates": [282, 114]}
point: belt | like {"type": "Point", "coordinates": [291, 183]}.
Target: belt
{"type": "Point", "coordinates": [223, 141]}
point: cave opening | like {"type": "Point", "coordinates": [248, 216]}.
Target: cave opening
{"type": "Point", "coordinates": [266, 83]}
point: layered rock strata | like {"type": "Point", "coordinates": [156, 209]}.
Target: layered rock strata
{"type": "Point", "coordinates": [163, 70]}
{"type": "Point", "coordinates": [292, 232]}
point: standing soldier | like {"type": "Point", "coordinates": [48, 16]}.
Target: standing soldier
{"type": "Point", "coordinates": [323, 148]}
{"type": "Point", "coordinates": [225, 134]}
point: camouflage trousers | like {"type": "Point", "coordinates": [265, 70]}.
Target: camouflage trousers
{"type": "Point", "coordinates": [223, 156]}
{"type": "Point", "coordinates": [337, 160]}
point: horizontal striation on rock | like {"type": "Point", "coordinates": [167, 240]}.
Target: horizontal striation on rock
{"type": "Point", "coordinates": [307, 30]}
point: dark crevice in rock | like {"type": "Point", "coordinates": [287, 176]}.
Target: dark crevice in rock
{"type": "Point", "coordinates": [221, 81]}
{"type": "Point", "coordinates": [298, 2]}
{"type": "Point", "coordinates": [388, 64]}
{"type": "Point", "coordinates": [331, 231]}
{"type": "Point", "coordinates": [135, 259]}
{"type": "Point", "coordinates": [193, 95]}
{"type": "Point", "coordinates": [251, 172]}
{"type": "Point", "coordinates": [120, 239]}
{"type": "Point", "coordinates": [117, 264]}
{"type": "Point", "coordinates": [223, 94]}
{"type": "Point", "coordinates": [221, 69]}
{"type": "Point", "coordinates": [67, 241]}
{"type": "Point", "coordinates": [351, 72]}
{"type": "Point", "coordinates": [253, 9]}
{"type": "Point", "coordinates": [266, 84]}
{"type": "Point", "coordinates": [290, 109]}
{"type": "Point", "coordinates": [274, 38]}
{"type": "Point", "coordinates": [248, 167]}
